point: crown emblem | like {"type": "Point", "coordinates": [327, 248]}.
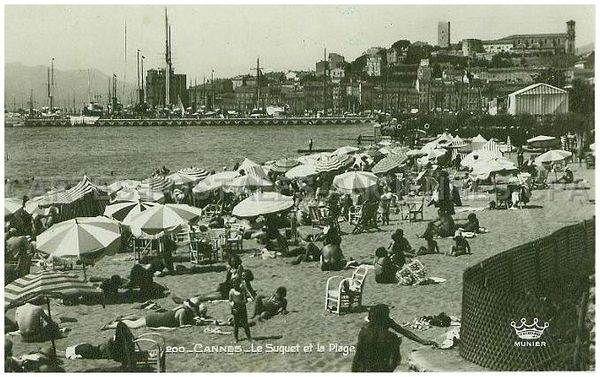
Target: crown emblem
{"type": "Point", "coordinates": [525, 331]}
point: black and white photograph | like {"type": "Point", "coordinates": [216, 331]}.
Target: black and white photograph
{"type": "Point", "coordinates": [344, 187]}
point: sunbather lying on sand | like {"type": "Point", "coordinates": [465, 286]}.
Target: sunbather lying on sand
{"type": "Point", "coordinates": [267, 308]}
{"type": "Point", "coordinates": [181, 316]}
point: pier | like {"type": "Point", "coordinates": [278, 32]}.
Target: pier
{"type": "Point", "coordinates": [190, 122]}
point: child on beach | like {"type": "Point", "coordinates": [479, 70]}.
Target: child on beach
{"type": "Point", "coordinates": [399, 247]}
{"type": "Point", "coordinates": [431, 248]}
{"type": "Point", "coordinates": [461, 246]}
{"type": "Point", "coordinates": [238, 299]}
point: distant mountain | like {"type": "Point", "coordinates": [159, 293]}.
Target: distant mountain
{"type": "Point", "coordinates": [582, 50]}
{"type": "Point", "coordinates": [20, 79]}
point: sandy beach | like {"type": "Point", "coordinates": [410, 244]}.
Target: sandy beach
{"type": "Point", "coordinates": [308, 323]}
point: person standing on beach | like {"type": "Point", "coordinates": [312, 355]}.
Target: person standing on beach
{"type": "Point", "coordinates": [359, 140]}
{"type": "Point", "coordinates": [238, 299]}
{"type": "Point", "coordinates": [310, 145]}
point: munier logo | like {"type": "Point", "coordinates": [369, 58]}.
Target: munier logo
{"type": "Point", "coordinates": [529, 332]}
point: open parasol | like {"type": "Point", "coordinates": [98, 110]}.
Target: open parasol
{"type": "Point", "coordinates": [155, 221]}
{"type": "Point", "coordinates": [263, 204]}
{"type": "Point", "coordinates": [354, 180]}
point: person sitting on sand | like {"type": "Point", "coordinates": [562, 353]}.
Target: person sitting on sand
{"type": "Point", "coordinates": [332, 258]}
{"type": "Point", "coordinates": [216, 222]}
{"type": "Point", "coordinates": [567, 176]}
{"type": "Point", "coordinates": [181, 316]}
{"type": "Point", "coordinates": [443, 226]}
{"type": "Point", "coordinates": [331, 236]}
{"type": "Point", "coordinates": [34, 324]}
{"type": "Point", "coordinates": [385, 269]}
{"type": "Point", "coordinates": [265, 309]}
{"type": "Point", "coordinates": [472, 224]}
{"type": "Point", "coordinates": [461, 246]}
{"type": "Point", "coordinates": [110, 288]}
{"type": "Point", "coordinates": [378, 349]}
{"type": "Point", "coordinates": [142, 276]}
{"type": "Point", "coordinates": [431, 248]}
{"type": "Point", "coordinates": [237, 299]}
{"type": "Point", "coordinates": [399, 247]}
{"type": "Point", "coordinates": [308, 253]}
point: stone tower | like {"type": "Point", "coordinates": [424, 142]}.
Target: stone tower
{"type": "Point", "coordinates": [570, 37]}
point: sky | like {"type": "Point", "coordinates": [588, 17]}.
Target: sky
{"type": "Point", "coordinates": [229, 38]}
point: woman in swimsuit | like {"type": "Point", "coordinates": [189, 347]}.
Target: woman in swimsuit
{"type": "Point", "coordinates": [179, 317]}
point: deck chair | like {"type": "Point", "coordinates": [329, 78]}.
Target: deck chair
{"type": "Point", "coordinates": [144, 247]}
{"type": "Point", "coordinates": [203, 249]}
{"type": "Point", "coordinates": [590, 161]}
{"type": "Point", "coordinates": [183, 235]}
{"type": "Point", "coordinates": [341, 293]}
{"type": "Point", "coordinates": [210, 210]}
{"type": "Point", "coordinates": [368, 218]}
{"type": "Point", "coordinates": [234, 243]}
{"type": "Point", "coordinates": [415, 211]}
{"type": "Point", "coordinates": [354, 214]}
{"type": "Point", "coordinates": [316, 218]}
{"type": "Point", "coordinates": [147, 351]}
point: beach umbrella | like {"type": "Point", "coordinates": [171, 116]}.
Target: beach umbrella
{"type": "Point", "coordinates": [312, 158]}
{"type": "Point", "coordinates": [301, 171]}
{"type": "Point", "coordinates": [139, 195]}
{"type": "Point", "coordinates": [179, 179]}
{"type": "Point", "coordinates": [157, 183]}
{"type": "Point", "coordinates": [197, 173]}
{"type": "Point", "coordinates": [283, 165]}
{"type": "Point", "coordinates": [477, 142]}
{"type": "Point", "coordinates": [48, 284]}
{"type": "Point", "coordinates": [12, 205]}
{"type": "Point", "coordinates": [124, 209]}
{"type": "Point", "coordinates": [483, 169]}
{"type": "Point", "coordinates": [415, 153]}
{"type": "Point", "coordinates": [252, 168]}
{"type": "Point", "coordinates": [345, 150]}
{"type": "Point", "coordinates": [434, 154]}
{"type": "Point", "coordinates": [266, 203]}
{"type": "Point", "coordinates": [593, 147]}
{"type": "Point", "coordinates": [355, 180]}
{"type": "Point", "coordinates": [85, 238]}
{"type": "Point", "coordinates": [162, 218]}
{"type": "Point", "coordinates": [215, 181]}
{"type": "Point", "coordinates": [330, 164]}
{"type": "Point", "coordinates": [552, 156]}
{"type": "Point", "coordinates": [478, 156]}
{"type": "Point", "coordinates": [542, 141]}
{"type": "Point", "coordinates": [392, 161]}
{"type": "Point", "coordinates": [249, 182]}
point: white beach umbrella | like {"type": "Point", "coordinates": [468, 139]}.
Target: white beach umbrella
{"type": "Point", "coordinates": [354, 180]}
{"type": "Point", "coordinates": [552, 156]}
{"type": "Point", "coordinates": [301, 171]}
{"type": "Point", "coordinates": [266, 203]}
{"type": "Point", "coordinates": [215, 181]}
{"type": "Point", "coordinates": [162, 218]}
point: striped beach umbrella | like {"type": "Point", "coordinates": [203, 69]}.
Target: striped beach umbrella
{"type": "Point", "coordinates": [355, 180]}
{"type": "Point", "coordinates": [197, 173]}
{"type": "Point", "coordinates": [121, 210]}
{"type": "Point", "coordinates": [284, 164]}
{"type": "Point", "coordinates": [215, 182]}
{"type": "Point", "coordinates": [179, 179]}
{"type": "Point", "coordinates": [330, 164]}
{"type": "Point", "coordinates": [139, 195]}
{"type": "Point", "coordinates": [391, 162]}
{"type": "Point", "coordinates": [249, 182]}
{"type": "Point", "coordinates": [162, 218]}
{"type": "Point", "coordinates": [12, 205]}
{"type": "Point", "coordinates": [345, 150]}
{"type": "Point", "coordinates": [127, 184]}
{"type": "Point", "coordinates": [157, 183]}
{"type": "Point", "coordinates": [85, 238]}
{"type": "Point", "coordinates": [263, 204]}
{"type": "Point", "coordinates": [46, 283]}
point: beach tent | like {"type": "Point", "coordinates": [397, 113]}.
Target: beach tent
{"type": "Point", "coordinates": [266, 203]}
{"type": "Point", "coordinates": [82, 200]}
{"type": "Point", "coordinates": [477, 142]}
{"type": "Point", "coordinates": [354, 180]}
{"type": "Point", "coordinates": [491, 146]}
{"type": "Point", "coordinates": [252, 168]}
{"type": "Point", "coordinates": [477, 156]}
{"type": "Point", "coordinates": [161, 219]}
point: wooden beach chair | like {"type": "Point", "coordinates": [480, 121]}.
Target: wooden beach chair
{"type": "Point", "coordinates": [143, 247]}
{"type": "Point", "coordinates": [415, 211]}
{"type": "Point", "coordinates": [210, 210]}
{"type": "Point", "coordinates": [502, 197]}
{"type": "Point", "coordinates": [354, 214]}
{"type": "Point", "coordinates": [315, 216]}
{"type": "Point", "coordinates": [341, 293]}
{"type": "Point", "coordinates": [368, 218]}
{"type": "Point", "coordinates": [203, 249]}
{"type": "Point", "coordinates": [142, 353]}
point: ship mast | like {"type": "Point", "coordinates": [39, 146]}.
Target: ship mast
{"type": "Point", "coordinates": [167, 60]}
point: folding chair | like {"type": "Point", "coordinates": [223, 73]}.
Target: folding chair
{"type": "Point", "coordinates": [354, 214]}
{"type": "Point", "coordinates": [368, 218]}
{"type": "Point", "coordinates": [342, 294]}
{"type": "Point", "coordinates": [415, 210]}
{"type": "Point", "coordinates": [144, 247]}
{"type": "Point", "coordinates": [147, 351]}
{"type": "Point", "coordinates": [315, 216]}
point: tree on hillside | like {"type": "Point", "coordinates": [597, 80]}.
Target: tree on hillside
{"type": "Point", "coordinates": [401, 44]}
{"type": "Point", "coordinates": [581, 97]}
{"type": "Point", "coordinates": [555, 77]}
